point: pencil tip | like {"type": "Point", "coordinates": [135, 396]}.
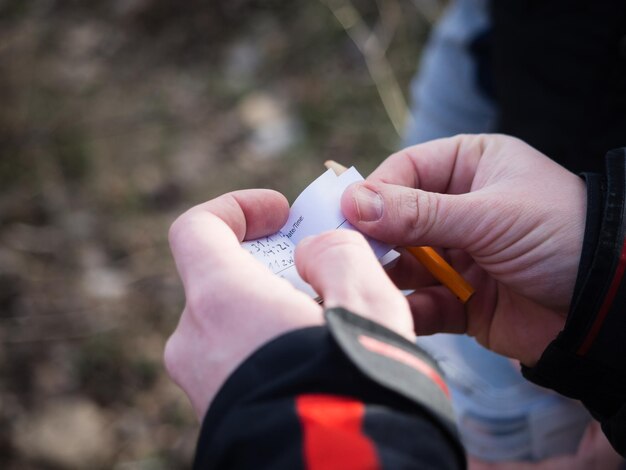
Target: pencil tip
{"type": "Point", "coordinates": [338, 168]}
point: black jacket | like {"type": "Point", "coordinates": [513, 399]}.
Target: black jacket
{"type": "Point", "coordinates": [556, 70]}
{"type": "Point", "coordinates": [587, 361]}
{"type": "Point", "coordinates": [350, 395]}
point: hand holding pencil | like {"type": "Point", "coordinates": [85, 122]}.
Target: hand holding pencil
{"type": "Point", "coordinates": [430, 259]}
{"type": "Point", "coordinates": [510, 220]}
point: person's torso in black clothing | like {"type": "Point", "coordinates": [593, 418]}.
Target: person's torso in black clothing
{"type": "Point", "coordinates": [558, 70]}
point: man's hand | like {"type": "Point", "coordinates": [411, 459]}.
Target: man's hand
{"type": "Point", "coordinates": [511, 220]}
{"type": "Point", "coordinates": [234, 304]}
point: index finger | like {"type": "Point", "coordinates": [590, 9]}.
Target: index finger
{"type": "Point", "coordinates": [207, 237]}
{"type": "Point", "coordinates": [343, 269]}
{"type": "Point", "coordinates": [442, 166]}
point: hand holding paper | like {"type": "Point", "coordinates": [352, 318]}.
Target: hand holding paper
{"type": "Point", "coordinates": [315, 211]}
{"type": "Point", "coordinates": [234, 304]}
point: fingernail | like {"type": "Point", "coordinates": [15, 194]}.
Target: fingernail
{"type": "Point", "coordinates": [369, 204]}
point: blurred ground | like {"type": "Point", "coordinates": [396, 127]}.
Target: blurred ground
{"type": "Point", "coordinates": [116, 116]}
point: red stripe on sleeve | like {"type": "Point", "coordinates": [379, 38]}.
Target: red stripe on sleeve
{"type": "Point", "coordinates": [332, 432]}
{"type": "Point", "coordinates": [404, 357]}
{"type": "Point", "coordinates": [606, 305]}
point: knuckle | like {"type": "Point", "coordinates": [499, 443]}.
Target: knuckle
{"type": "Point", "coordinates": [180, 228]}
{"type": "Point", "coordinates": [174, 231]}
{"type": "Point", "coordinates": [171, 357]}
{"type": "Point", "coordinates": [190, 229]}
{"type": "Point", "coordinates": [207, 301]}
{"type": "Point", "coordinates": [410, 206]}
{"type": "Point", "coordinates": [204, 298]}
{"type": "Point", "coordinates": [422, 208]}
{"type": "Point", "coordinates": [196, 295]}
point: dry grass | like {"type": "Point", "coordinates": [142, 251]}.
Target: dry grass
{"type": "Point", "coordinates": [117, 116]}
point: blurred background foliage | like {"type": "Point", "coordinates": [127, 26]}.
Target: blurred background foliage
{"type": "Point", "coordinates": [117, 115]}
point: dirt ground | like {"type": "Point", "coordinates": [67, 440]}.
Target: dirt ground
{"type": "Point", "coordinates": [115, 116]}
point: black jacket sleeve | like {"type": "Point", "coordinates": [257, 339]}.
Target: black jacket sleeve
{"type": "Point", "coordinates": [348, 395]}
{"type": "Point", "coordinates": [587, 360]}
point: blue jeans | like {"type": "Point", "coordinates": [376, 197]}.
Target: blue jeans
{"type": "Point", "coordinates": [500, 415]}
{"type": "Point", "coordinates": [447, 99]}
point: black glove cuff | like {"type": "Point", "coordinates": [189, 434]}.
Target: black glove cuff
{"type": "Point", "coordinates": [587, 359]}
{"type": "Point", "coordinates": [393, 362]}
{"type": "Point", "coordinates": [349, 356]}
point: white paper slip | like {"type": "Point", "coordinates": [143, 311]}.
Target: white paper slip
{"type": "Point", "coordinates": [317, 209]}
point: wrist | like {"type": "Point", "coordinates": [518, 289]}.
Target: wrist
{"type": "Point", "coordinates": [586, 360]}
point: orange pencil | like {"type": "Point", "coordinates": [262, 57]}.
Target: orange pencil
{"type": "Point", "coordinates": [436, 265]}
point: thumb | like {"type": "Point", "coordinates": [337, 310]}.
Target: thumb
{"type": "Point", "coordinates": [404, 216]}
